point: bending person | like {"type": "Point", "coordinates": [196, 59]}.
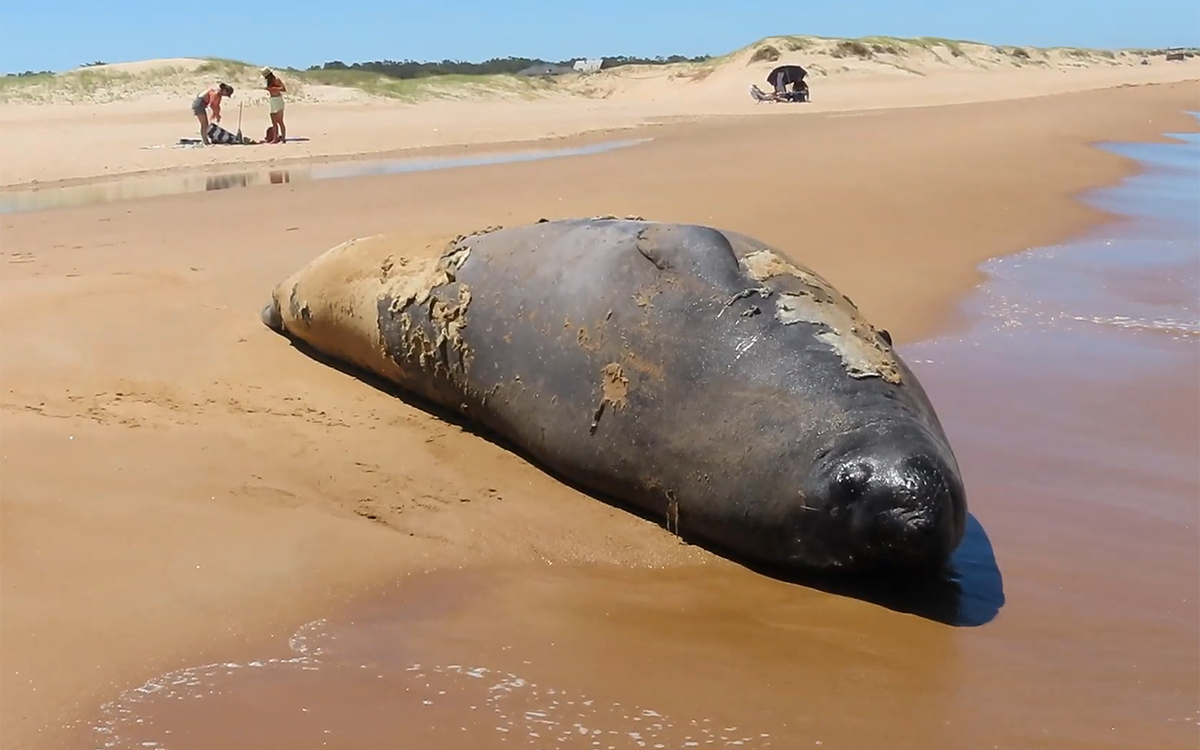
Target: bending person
{"type": "Point", "coordinates": [275, 89]}
{"type": "Point", "coordinates": [210, 99]}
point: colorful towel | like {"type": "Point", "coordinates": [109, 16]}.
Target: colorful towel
{"type": "Point", "coordinates": [218, 134]}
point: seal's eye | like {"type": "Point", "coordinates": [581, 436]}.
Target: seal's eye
{"type": "Point", "coordinates": [851, 482]}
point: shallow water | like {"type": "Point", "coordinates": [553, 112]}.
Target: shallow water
{"type": "Point", "coordinates": [146, 186]}
{"type": "Point", "coordinates": [1072, 405]}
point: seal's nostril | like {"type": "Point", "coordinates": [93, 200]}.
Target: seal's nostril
{"type": "Point", "coordinates": [922, 476]}
{"type": "Point", "coordinates": [919, 513]}
{"type": "Point", "coordinates": [851, 482]}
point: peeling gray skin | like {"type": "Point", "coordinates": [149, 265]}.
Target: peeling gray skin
{"type": "Point", "coordinates": [694, 374]}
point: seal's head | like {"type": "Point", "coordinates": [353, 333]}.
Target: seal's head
{"type": "Point", "coordinates": [886, 496]}
{"type": "Point", "coordinates": [272, 316]}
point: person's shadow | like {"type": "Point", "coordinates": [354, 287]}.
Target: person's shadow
{"type": "Point", "coordinates": [968, 593]}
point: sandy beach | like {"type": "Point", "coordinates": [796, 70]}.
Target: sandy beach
{"type": "Point", "coordinates": [178, 485]}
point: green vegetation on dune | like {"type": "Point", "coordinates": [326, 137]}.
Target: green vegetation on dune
{"type": "Point", "coordinates": [803, 41]}
{"type": "Point", "coordinates": [435, 86]}
{"type": "Point", "coordinates": [219, 67]}
{"type": "Point", "coordinates": [28, 79]}
{"type": "Point", "coordinates": [773, 48]}
{"type": "Point", "coordinates": [404, 80]}
{"type": "Point", "coordinates": [102, 84]}
{"type": "Point", "coordinates": [891, 51]}
{"type": "Point", "coordinates": [49, 86]}
{"type": "Point", "coordinates": [412, 69]}
{"type": "Point", "coordinates": [99, 84]}
{"type": "Point", "coordinates": [927, 43]}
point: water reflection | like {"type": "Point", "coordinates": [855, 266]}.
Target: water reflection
{"type": "Point", "coordinates": [246, 179]}
{"type": "Point", "coordinates": [226, 181]}
{"type": "Point", "coordinates": [146, 186]}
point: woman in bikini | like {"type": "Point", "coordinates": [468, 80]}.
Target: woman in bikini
{"type": "Point", "coordinates": [210, 99]}
{"type": "Point", "coordinates": [275, 88]}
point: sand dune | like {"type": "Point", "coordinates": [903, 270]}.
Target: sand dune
{"type": "Point", "coordinates": [843, 59]}
{"type": "Point", "coordinates": [825, 58]}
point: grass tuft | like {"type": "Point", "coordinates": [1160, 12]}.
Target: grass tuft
{"type": "Point", "coordinates": [765, 53]}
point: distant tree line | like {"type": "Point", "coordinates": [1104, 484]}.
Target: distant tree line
{"type": "Point", "coordinates": [414, 69]}
{"type": "Point", "coordinates": [495, 66]}
{"type": "Point", "coordinates": [29, 73]}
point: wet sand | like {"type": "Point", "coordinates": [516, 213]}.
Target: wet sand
{"type": "Point", "coordinates": [175, 182]}
{"type": "Point", "coordinates": [1072, 623]}
{"type": "Point", "coordinates": [222, 486]}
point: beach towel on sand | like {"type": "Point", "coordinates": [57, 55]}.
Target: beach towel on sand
{"type": "Point", "coordinates": [218, 134]}
{"type": "Point", "coordinates": [221, 136]}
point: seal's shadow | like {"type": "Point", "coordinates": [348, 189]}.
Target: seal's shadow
{"type": "Point", "coordinates": [969, 593]}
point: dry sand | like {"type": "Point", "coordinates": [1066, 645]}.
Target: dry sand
{"type": "Point", "coordinates": [179, 483]}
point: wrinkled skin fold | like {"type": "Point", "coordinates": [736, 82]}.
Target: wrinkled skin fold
{"type": "Point", "coordinates": [695, 374]}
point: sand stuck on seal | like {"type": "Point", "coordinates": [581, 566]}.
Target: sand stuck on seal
{"type": "Point", "coordinates": [332, 303]}
{"type": "Point", "coordinates": [863, 350]}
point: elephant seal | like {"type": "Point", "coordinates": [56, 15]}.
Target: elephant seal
{"type": "Point", "coordinates": [693, 373]}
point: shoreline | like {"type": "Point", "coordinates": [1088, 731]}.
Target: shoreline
{"type": "Point", "coordinates": [342, 570]}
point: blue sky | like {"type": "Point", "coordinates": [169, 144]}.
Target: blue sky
{"type": "Point", "coordinates": [65, 33]}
